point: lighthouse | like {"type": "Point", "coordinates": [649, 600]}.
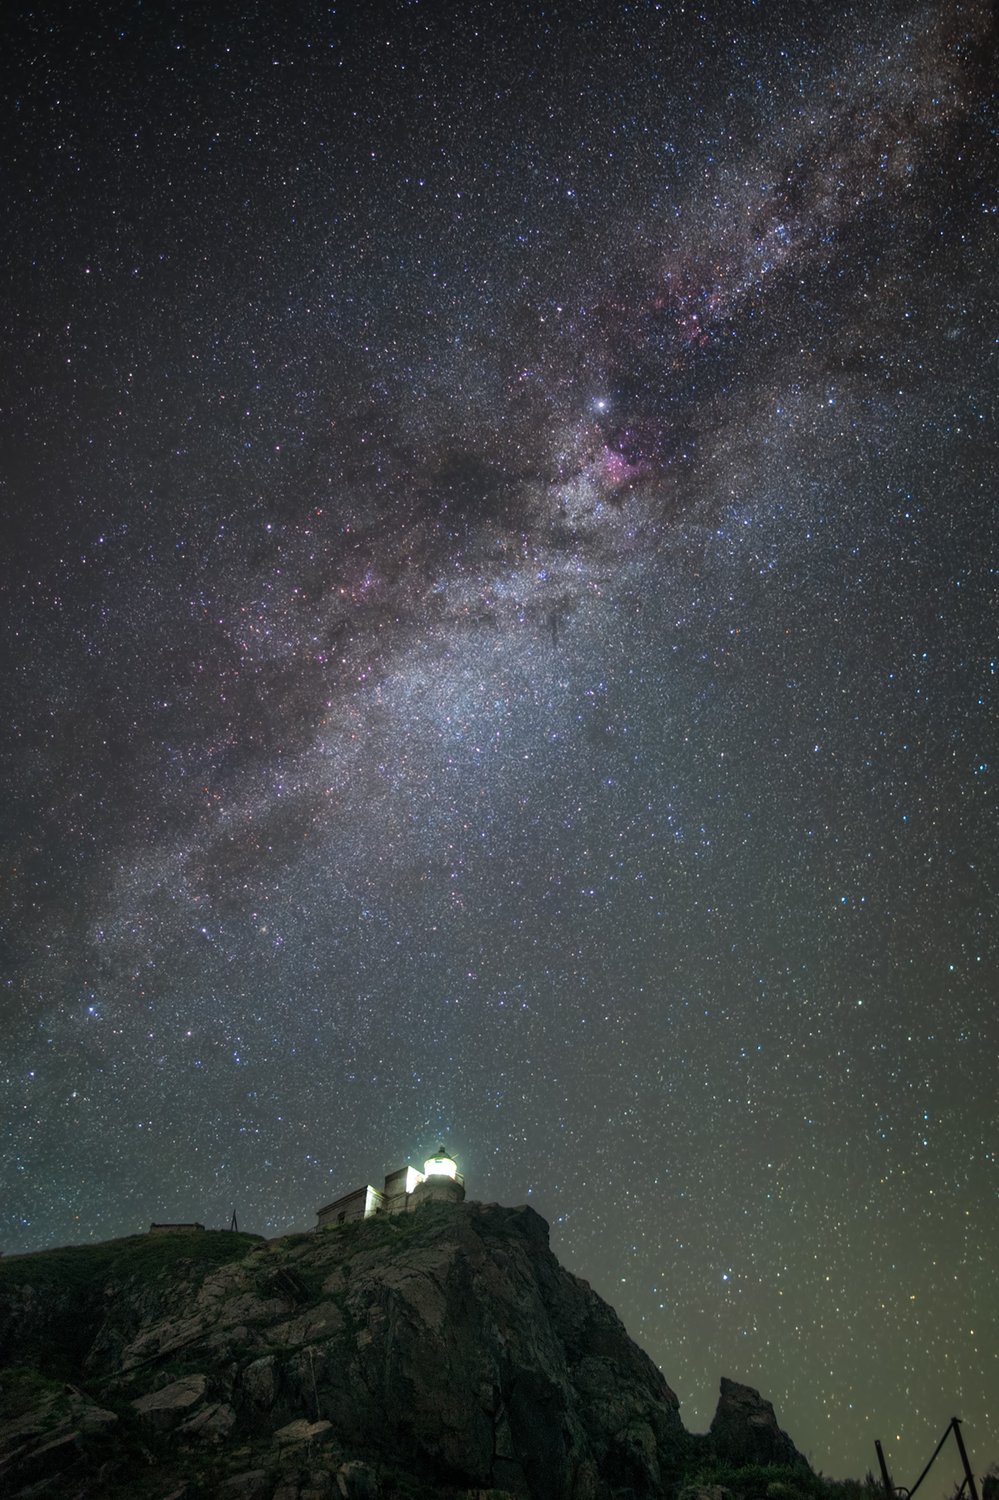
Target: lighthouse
{"type": "Point", "coordinates": [442, 1182]}
{"type": "Point", "coordinates": [405, 1189]}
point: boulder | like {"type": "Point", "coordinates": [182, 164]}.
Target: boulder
{"type": "Point", "coordinates": [166, 1408]}
{"type": "Point", "coordinates": [211, 1423]}
{"type": "Point", "coordinates": [257, 1383]}
{"type": "Point", "coordinates": [252, 1484]}
{"type": "Point", "coordinates": [302, 1431]}
{"type": "Point", "coordinates": [357, 1481]}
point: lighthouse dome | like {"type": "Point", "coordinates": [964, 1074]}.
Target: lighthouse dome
{"type": "Point", "coordinates": [440, 1164]}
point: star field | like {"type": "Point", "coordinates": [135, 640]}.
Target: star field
{"type": "Point", "coordinates": [500, 584]}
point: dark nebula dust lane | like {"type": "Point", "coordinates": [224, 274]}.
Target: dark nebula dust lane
{"type": "Point", "coordinates": [499, 573]}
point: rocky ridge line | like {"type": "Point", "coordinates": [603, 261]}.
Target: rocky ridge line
{"type": "Point", "coordinates": [444, 1352]}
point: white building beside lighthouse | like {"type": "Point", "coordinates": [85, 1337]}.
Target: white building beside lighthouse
{"type": "Point", "coordinates": [405, 1189]}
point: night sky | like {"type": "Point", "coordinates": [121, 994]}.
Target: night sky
{"type": "Point", "coordinates": [500, 601]}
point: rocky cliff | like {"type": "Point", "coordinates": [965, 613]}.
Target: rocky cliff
{"type": "Point", "coordinates": [444, 1352]}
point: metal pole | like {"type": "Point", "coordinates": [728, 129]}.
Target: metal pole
{"type": "Point", "coordinates": [955, 1422]}
{"type": "Point", "coordinates": [932, 1460]}
{"type": "Point", "coordinates": [885, 1476]}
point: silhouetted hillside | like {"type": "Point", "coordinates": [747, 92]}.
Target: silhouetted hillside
{"type": "Point", "coordinates": [439, 1353]}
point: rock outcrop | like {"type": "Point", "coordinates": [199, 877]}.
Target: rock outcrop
{"type": "Point", "coordinates": [444, 1352]}
{"type": "Point", "coordinates": [744, 1429]}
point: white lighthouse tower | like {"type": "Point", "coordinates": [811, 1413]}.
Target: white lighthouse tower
{"type": "Point", "coordinates": [442, 1182]}
{"type": "Point", "coordinates": [405, 1189]}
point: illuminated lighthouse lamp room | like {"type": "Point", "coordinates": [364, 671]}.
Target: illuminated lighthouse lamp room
{"type": "Point", "coordinates": [405, 1189]}
{"type": "Point", "coordinates": [440, 1165]}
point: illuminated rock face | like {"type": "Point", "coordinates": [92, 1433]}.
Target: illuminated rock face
{"type": "Point", "coordinates": [405, 1189]}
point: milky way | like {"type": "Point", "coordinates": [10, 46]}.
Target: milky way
{"type": "Point", "coordinates": [501, 587]}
